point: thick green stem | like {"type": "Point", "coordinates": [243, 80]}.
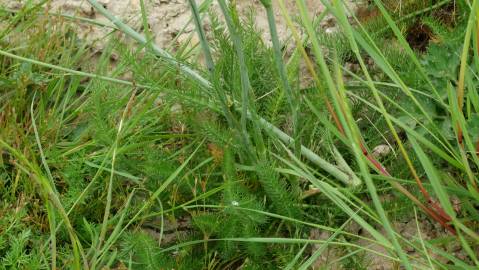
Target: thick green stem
{"type": "Point", "coordinates": [278, 57]}
{"type": "Point", "coordinates": [211, 67]}
{"type": "Point", "coordinates": [245, 82]}
{"type": "Point", "coordinates": [348, 179]}
{"type": "Point", "coordinates": [201, 34]}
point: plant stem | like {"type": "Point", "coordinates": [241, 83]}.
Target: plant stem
{"type": "Point", "coordinates": [278, 57]}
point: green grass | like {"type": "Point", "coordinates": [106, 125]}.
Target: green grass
{"type": "Point", "coordinates": [230, 164]}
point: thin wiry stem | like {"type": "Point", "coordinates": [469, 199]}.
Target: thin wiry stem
{"type": "Point", "coordinates": [462, 70]}
{"type": "Point", "coordinates": [201, 34]}
{"type": "Point", "coordinates": [50, 208]}
{"type": "Point", "coordinates": [110, 181]}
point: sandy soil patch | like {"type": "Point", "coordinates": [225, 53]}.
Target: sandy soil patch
{"type": "Point", "coordinates": [168, 19]}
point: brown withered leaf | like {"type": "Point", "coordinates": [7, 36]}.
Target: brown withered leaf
{"type": "Point", "coordinates": [216, 152]}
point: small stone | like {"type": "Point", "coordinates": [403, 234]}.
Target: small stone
{"type": "Point", "coordinates": [381, 150]}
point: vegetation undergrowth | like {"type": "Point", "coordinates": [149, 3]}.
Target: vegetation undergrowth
{"type": "Point", "coordinates": [218, 155]}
